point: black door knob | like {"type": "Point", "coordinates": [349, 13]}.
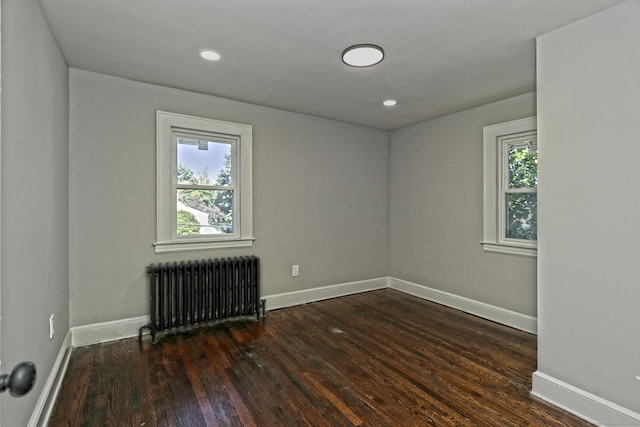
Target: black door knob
{"type": "Point", "coordinates": [21, 379]}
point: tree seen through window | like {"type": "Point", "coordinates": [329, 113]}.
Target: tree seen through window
{"type": "Point", "coordinates": [521, 193]}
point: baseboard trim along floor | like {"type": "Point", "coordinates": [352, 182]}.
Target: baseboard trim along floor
{"type": "Point", "coordinates": [565, 396]}
{"type": "Point", "coordinates": [579, 402]}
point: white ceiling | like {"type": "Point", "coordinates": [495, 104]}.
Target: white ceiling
{"type": "Point", "coordinates": [442, 56]}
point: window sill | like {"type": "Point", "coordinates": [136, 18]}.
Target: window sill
{"type": "Point", "coordinates": [190, 245]}
{"type": "Point", "coordinates": [510, 250]}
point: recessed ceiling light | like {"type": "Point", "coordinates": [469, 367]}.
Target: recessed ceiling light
{"type": "Point", "coordinates": [362, 55]}
{"type": "Point", "coordinates": [209, 55]}
{"type": "Point", "coordinates": [389, 102]}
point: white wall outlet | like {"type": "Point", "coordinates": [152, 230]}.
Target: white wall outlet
{"type": "Point", "coordinates": [51, 330]}
{"type": "Point", "coordinates": [295, 270]}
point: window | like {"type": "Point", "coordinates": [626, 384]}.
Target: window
{"type": "Point", "coordinates": [204, 183]}
{"type": "Point", "coordinates": [510, 187]}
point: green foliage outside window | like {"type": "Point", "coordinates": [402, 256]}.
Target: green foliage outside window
{"type": "Point", "coordinates": [218, 204]}
{"type": "Point", "coordinates": [187, 223]}
{"type": "Point", "coordinates": [522, 207]}
{"type": "Point", "coordinates": [224, 199]}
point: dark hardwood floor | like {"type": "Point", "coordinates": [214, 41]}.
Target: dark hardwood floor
{"type": "Point", "coordinates": [380, 358]}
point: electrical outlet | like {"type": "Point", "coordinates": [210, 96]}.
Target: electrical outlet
{"type": "Point", "coordinates": [51, 330]}
{"type": "Point", "coordinates": [295, 270]}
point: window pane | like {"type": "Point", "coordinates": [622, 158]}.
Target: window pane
{"type": "Point", "coordinates": [202, 162]}
{"type": "Point", "coordinates": [522, 217]}
{"type": "Point", "coordinates": [205, 212]}
{"type": "Point", "coordinates": [523, 165]}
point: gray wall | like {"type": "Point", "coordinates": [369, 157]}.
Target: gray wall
{"type": "Point", "coordinates": [34, 246]}
{"type": "Point", "coordinates": [589, 268]}
{"type": "Point", "coordinates": [436, 210]}
{"type": "Point", "coordinates": [320, 195]}
{"type": "Point", "coordinates": [337, 199]}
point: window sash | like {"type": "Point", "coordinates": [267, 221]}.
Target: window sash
{"type": "Point", "coordinates": [505, 144]}
{"type": "Point", "coordinates": [209, 137]}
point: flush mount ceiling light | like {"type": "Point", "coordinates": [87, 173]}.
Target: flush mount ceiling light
{"type": "Point", "coordinates": [209, 55]}
{"type": "Point", "coordinates": [389, 102]}
{"type": "Point", "coordinates": [362, 55]}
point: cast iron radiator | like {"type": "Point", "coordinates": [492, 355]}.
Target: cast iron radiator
{"type": "Point", "coordinates": [199, 292]}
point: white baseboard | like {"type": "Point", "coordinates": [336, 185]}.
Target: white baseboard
{"type": "Point", "coordinates": [289, 299]}
{"type": "Point", "coordinates": [47, 399]}
{"type": "Point", "coordinates": [118, 329]}
{"type": "Point", "coordinates": [96, 333]}
{"type": "Point", "coordinates": [510, 318]}
{"type": "Point", "coordinates": [581, 403]}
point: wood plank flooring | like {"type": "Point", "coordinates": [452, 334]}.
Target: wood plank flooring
{"type": "Point", "coordinates": [380, 358]}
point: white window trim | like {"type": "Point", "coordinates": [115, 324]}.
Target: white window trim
{"type": "Point", "coordinates": [493, 235]}
{"type": "Point", "coordinates": [167, 240]}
